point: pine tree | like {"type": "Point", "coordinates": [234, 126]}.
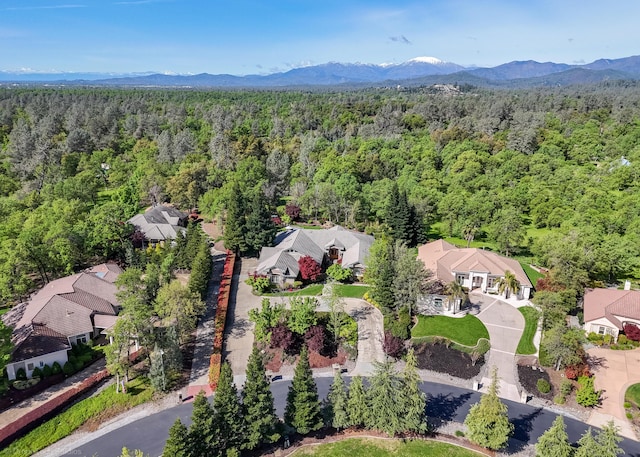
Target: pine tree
{"type": "Point", "coordinates": [385, 410]}
{"type": "Point", "coordinates": [228, 413]}
{"type": "Point", "coordinates": [260, 229]}
{"type": "Point", "coordinates": [414, 400]}
{"type": "Point", "coordinates": [177, 444]}
{"type": "Point", "coordinates": [157, 374]}
{"type": "Point", "coordinates": [303, 407]}
{"type": "Point", "coordinates": [203, 433]}
{"type": "Point", "coordinates": [257, 400]}
{"type": "Point", "coordinates": [487, 421]}
{"type": "Point", "coordinates": [555, 441]}
{"type": "Point", "coordinates": [338, 397]}
{"type": "Point", "coordinates": [609, 438]}
{"type": "Point", "coordinates": [587, 445]}
{"type": "Point", "coordinates": [201, 271]}
{"type": "Point", "coordinates": [235, 222]}
{"type": "Point", "coordinates": [357, 403]}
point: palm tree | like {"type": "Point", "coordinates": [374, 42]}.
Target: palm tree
{"type": "Point", "coordinates": [455, 291]}
{"type": "Point", "coordinates": [507, 284]}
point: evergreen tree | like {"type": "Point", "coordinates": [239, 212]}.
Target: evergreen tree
{"type": "Point", "coordinates": [260, 229]}
{"type": "Point", "coordinates": [201, 271]}
{"type": "Point", "coordinates": [554, 442]}
{"type": "Point", "coordinates": [180, 250]}
{"type": "Point", "coordinates": [380, 272]}
{"type": "Point", "coordinates": [357, 409]}
{"type": "Point", "coordinates": [385, 410]}
{"type": "Point", "coordinates": [157, 374]}
{"type": "Point", "coordinates": [303, 407]}
{"type": "Point", "coordinates": [588, 446]}
{"type": "Point", "coordinates": [194, 238]}
{"type": "Point", "coordinates": [177, 444]}
{"type": "Point", "coordinates": [487, 420]}
{"type": "Point", "coordinates": [235, 222]}
{"type": "Point", "coordinates": [203, 434]}
{"type": "Point", "coordinates": [414, 400]}
{"type": "Point", "coordinates": [228, 412]}
{"type": "Point", "coordinates": [337, 398]}
{"type": "Point", "coordinates": [608, 438]}
{"type": "Point", "coordinates": [257, 400]}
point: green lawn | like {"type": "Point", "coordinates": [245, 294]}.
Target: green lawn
{"type": "Point", "coordinates": [466, 330]}
{"type": "Point", "coordinates": [633, 394]}
{"type": "Point", "coordinates": [343, 290]}
{"type": "Point", "coordinates": [526, 346]}
{"type": "Point", "coordinates": [106, 404]}
{"type": "Point", "coordinates": [531, 273]}
{"type": "Point", "coordinates": [369, 447]}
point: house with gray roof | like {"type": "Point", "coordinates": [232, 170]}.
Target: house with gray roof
{"type": "Point", "coordinates": [325, 246]}
{"type": "Point", "coordinates": [160, 223]}
{"type": "Point", "coordinates": [67, 311]}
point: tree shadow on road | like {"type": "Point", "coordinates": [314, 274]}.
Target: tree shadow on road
{"type": "Point", "coordinates": [523, 425]}
{"type": "Point", "coordinates": [443, 408]}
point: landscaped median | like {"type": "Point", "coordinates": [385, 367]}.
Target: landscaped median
{"type": "Point", "coordinates": [220, 319]}
{"type": "Point", "coordinates": [531, 317]}
{"type": "Point", "coordinates": [465, 331]}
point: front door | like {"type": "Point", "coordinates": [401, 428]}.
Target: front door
{"type": "Point", "coordinates": [477, 282]}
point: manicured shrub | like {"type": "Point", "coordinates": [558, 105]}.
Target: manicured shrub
{"type": "Point", "coordinates": [607, 339]}
{"type": "Point", "coordinates": [68, 368]}
{"type": "Point", "coordinates": [629, 415]}
{"type": "Point", "coordinates": [259, 284]}
{"type": "Point", "coordinates": [627, 405]}
{"type": "Point", "coordinates": [36, 373]}
{"type": "Point", "coordinates": [543, 386]}
{"type": "Point", "coordinates": [314, 338]}
{"type": "Point", "coordinates": [393, 346]}
{"type": "Point", "coordinates": [566, 387]}
{"type": "Point", "coordinates": [56, 368]}
{"type": "Point", "coordinates": [338, 273]}
{"type": "Point", "coordinates": [587, 395]}
{"type": "Point", "coordinates": [622, 339]}
{"type": "Point", "coordinates": [559, 399]}
{"type": "Point", "coordinates": [632, 331]}
{"type": "Point", "coordinates": [21, 374]}
{"type": "Point", "coordinates": [46, 371]}
{"type": "Point", "coordinates": [283, 338]}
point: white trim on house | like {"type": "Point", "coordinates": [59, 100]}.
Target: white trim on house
{"type": "Point", "coordinates": [30, 364]}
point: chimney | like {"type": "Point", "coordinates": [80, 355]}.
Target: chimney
{"type": "Point", "coordinates": [627, 285]}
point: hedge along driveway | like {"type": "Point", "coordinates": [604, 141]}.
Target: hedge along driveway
{"type": "Point", "coordinates": [466, 330]}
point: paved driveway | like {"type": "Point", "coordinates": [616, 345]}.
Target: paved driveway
{"type": "Point", "coordinates": [615, 371]}
{"type": "Point", "coordinates": [505, 325]}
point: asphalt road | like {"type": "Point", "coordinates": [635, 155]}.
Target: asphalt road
{"type": "Point", "coordinates": [446, 403]}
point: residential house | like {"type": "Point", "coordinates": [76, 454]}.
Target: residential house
{"type": "Point", "coordinates": [325, 246]}
{"type": "Point", "coordinates": [472, 268]}
{"type": "Point", "coordinates": [607, 311]}
{"type": "Point", "coordinates": [67, 311]}
{"type": "Point", "coordinates": [160, 223]}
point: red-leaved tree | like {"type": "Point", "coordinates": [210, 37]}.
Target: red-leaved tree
{"type": "Point", "coordinates": [393, 346]}
{"type": "Point", "coordinates": [314, 339]}
{"type": "Point", "coordinates": [283, 338]}
{"type": "Point", "coordinates": [632, 331]}
{"type": "Point", "coordinates": [293, 211]}
{"type": "Point", "coordinates": [309, 269]}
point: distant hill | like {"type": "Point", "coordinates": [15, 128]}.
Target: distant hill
{"type": "Point", "coordinates": [421, 70]}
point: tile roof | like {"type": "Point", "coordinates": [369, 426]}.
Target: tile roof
{"type": "Point", "coordinates": [609, 303]}
{"type": "Point", "coordinates": [41, 340]}
{"type": "Point", "coordinates": [107, 271]}
{"type": "Point", "coordinates": [444, 260]}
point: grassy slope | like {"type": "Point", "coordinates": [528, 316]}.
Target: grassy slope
{"type": "Point", "coordinates": [526, 346]}
{"type": "Point", "coordinates": [466, 330]}
{"type": "Point", "coordinates": [633, 394]}
{"type": "Point", "coordinates": [105, 404]}
{"type": "Point", "coordinates": [366, 447]}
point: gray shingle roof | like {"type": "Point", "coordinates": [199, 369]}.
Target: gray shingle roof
{"type": "Point", "coordinates": [160, 223]}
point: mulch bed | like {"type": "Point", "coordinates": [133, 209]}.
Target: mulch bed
{"type": "Point", "coordinates": [529, 377]}
{"type": "Point", "coordinates": [320, 361]}
{"type": "Point", "coordinates": [443, 359]}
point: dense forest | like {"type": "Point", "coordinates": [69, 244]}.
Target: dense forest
{"type": "Point", "coordinates": [550, 175]}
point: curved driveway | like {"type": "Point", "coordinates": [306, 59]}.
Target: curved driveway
{"type": "Point", "coordinates": [505, 325]}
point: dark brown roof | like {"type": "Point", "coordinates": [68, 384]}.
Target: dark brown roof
{"type": "Point", "coordinates": [90, 301]}
{"type": "Point", "coordinates": [40, 340]}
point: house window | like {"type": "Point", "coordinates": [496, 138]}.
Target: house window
{"type": "Point", "coordinates": [491, 282]}
{"type": "Point", "coordinates": [438, 303]}
{"type": "Point", "coordinates": [460, 278]}
{"type": "Point", "coordinates": [602, 330]}
{"type": "Point", "coordinates": [30, 366]}
{"type": "Point", "coordinates": [41, 363]}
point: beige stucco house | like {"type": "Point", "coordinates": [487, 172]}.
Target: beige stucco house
{"type": "Point", "coordinates": [607, 311]}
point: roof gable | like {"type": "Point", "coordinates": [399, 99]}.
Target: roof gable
{"type": "Point", "coordinates": [608, 303]}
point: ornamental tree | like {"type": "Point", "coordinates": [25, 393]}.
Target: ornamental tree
{"type": "Point", "coordinates": [310, 270]}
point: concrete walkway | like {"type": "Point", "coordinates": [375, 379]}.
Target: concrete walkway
{"type": "Point", "coordinates": [614, 372]}
{"type": "Point", "coordinates": [199, 379]}
{"type": "Point", "coordinates": [505, 325]}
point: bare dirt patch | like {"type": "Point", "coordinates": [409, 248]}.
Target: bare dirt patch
{"type": "Point", "coordinates": [443, 359]}
{"type": "Point", "coordinates": [529, 376]}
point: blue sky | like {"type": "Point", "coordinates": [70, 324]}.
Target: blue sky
{"type": "Point", "coordinates": [255, 37]}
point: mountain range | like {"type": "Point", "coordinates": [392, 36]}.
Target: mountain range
{"type": "Point", "coordinates": [417, 71]}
